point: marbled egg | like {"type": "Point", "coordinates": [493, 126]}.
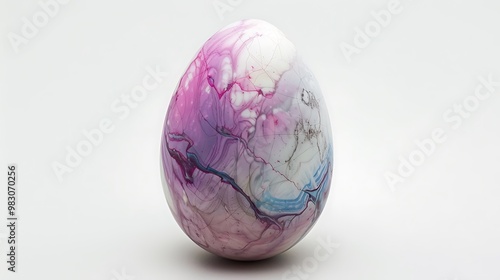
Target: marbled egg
{"type": "Point", "coordinates": [246, 148]}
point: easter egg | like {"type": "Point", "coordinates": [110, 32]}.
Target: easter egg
{"type": "Point", "coordinates": [246, 148]}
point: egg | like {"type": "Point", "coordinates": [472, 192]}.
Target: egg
{"type": "Point", "coordinates": [246, 148]}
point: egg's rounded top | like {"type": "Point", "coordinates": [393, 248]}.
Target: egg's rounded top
{"type": "Point", "coordinates": [254, 45]}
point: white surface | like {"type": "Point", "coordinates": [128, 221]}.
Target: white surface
{"type": "Point", "coordinates": [109, 215]}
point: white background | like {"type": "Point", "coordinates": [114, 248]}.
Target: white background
{"type": "Point", "coordinates": [109, 216]}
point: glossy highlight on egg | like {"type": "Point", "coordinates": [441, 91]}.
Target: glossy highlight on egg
{"type": "Point", "coordinates": [246, 148]}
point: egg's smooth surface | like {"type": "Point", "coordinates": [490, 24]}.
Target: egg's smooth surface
{"type": "Point", "coordinates": [246, 148]}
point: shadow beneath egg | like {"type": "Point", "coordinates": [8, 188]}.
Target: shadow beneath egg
{"type": "Point", "coordinates": [184, 253]}
{"type": "Point", "coordinates": [213, 262]}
